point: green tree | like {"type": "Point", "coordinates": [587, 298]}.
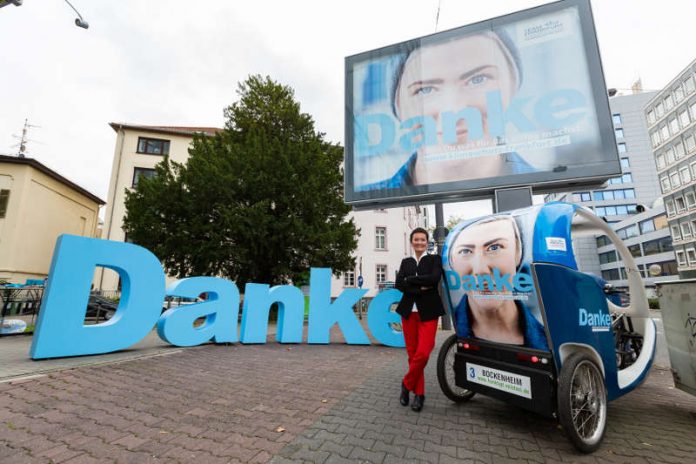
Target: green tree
{"type": "Point", "coordinates": [261, 201]}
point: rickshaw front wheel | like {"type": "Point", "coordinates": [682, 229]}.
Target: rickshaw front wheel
{"type": "Point", "coordinates": [582, 402]}
{"type": "Point", "coordinates": [445, 372]}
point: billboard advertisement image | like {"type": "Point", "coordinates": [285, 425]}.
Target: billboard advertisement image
{"type": "Point", "coordinates": [516, 100]}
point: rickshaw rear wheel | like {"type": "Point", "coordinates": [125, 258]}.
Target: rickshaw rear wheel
{"type": "Point", "coordinates": [582, 402]}
{"type": "Point", "coordinates": [445, 372]}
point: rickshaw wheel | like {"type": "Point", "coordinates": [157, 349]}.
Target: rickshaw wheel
{"type": "Point", "coordinates": [582, 402]}
{"type": "Point", "coordinates": [445, 372]}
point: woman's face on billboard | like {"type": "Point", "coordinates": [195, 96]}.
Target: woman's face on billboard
{"type": "Point", "coordinates": [453, 75]}
{"type": "Point", "coordinates": [480, 248]}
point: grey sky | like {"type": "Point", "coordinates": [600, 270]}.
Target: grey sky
{"type": "Point", "coordinates": [176, 62]}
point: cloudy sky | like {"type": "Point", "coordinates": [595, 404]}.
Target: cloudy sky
{"type": "Point", "coordinates": [177, 62]}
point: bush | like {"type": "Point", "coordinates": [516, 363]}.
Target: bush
{"type": "Point", "coordinates": [653, 303]}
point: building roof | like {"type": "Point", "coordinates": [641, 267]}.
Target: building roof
{"type": "Point", "coordinates": [175, 130]}
{"type": "Point", "coordinates": [50, 173]}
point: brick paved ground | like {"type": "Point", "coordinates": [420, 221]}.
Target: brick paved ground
{"type": "Point", "coordinates": [297, 403]}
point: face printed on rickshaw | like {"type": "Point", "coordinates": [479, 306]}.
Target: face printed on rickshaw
{"type": "Point", "coordinates": [451, 76]}
{"type": "Point", "coordinates": [480, 248]}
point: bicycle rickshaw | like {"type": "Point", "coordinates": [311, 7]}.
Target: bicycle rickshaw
{"type": "Point", "coordinates": [534, 331]}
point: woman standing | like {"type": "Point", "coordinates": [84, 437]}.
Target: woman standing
{"type": "Point", "coordinates": [420, 307]}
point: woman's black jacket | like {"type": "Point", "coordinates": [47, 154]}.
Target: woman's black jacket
{"type": "Point", "coordinates": [419, 283]}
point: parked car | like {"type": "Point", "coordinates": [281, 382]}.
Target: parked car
{"type": "Point", "coordinates": [100, 308]}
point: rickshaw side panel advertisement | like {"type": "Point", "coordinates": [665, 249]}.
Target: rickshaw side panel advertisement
{"type": "Point", "coordinates": [488, 275]}
{"type": "Point", "coordinates": [515, 100]}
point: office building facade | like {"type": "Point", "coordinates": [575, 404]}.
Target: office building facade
{"type": "Point", "coordinates": [671, 118]}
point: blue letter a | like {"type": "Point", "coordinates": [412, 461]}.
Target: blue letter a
{"type": "Point", "coordinates": [60, 330]}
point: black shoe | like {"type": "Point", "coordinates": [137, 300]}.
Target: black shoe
{"type": "Point", "coordinates": [404, 397]}
{"type": "Point", "coordinates": [418, 402]}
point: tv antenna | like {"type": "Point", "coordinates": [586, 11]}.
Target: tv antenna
{"type": "Point", "coordinates": [24, 139]}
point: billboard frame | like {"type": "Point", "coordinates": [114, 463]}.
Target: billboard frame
{"type": "Point", "coordinates": [476, 189]}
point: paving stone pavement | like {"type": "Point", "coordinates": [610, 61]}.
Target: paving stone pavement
{"type": "Point", "coordinates": [301, 403]}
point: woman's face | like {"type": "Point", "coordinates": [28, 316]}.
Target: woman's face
{"type": "Point", "coordinates": [482, 247]}
{"type": "Point", "coordinates": [419, 242]}
{"type": "Point", "coordinates": [452, 76]}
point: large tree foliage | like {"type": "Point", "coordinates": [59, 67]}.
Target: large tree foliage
{"type": "Point", "coordinates": [260, 201]}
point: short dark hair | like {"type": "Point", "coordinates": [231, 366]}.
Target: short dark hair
{"type": "Point", "coordinates": [419, 230]}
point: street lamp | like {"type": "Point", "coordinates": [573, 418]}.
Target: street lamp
{"type": "Point", "coordinates": [79, 22]}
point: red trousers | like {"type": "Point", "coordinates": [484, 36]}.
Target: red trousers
{"type": "Point", "coordinates": [420, 341]}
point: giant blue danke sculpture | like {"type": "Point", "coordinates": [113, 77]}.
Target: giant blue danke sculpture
{"type": "Point", "coordinates": [60, 330]}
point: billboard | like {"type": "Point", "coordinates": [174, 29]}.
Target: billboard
{"type": "Point", "coordinates": [515, 100]}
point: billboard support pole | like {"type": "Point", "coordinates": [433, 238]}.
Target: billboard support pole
{"type": "Point", "coordinates": [439, 236]}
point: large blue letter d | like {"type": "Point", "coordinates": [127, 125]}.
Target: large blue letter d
{"type": "Point", "coordinates": [60, 330]}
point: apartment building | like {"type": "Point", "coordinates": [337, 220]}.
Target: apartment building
{"type": "Point", "coordinates": [671, 118]}
{"type": "Point", "coordinates": [383, 240]}
{"type": "Point", "coordinates": [36, 206]}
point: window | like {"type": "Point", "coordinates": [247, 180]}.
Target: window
{"type": "Point", "coordinates": [664, 183]}
{"type": "Point", "coordinates": [349, 279]}
{"type": "Point", "coordinates": [689, 85]}
{"type": "Point", "coordinates": [681, 257]}
{"type": "Point", "coordinates": [669, 205]}
{"type": "Point", "coordinates": [690, 199]}
{"type": "Point", "coordinates": [628, 232]}
{"type": "Point", "coordinates": [621, 209]}
{"type": "Point", "coordinates": [142, 172]}
{"type": "Point", "coordinates": [627, 178]}
{"type": "Point", "coordinates": [599, 196]}
{"type": "Point", "coordinates": [629, 193]}
{"type": "Point", "coordinates": [676, 235]}
{"type": "Point", "coordinates": [608, 257]}
{"type": "Point", "coordinates": [692, 108]}
{"type": "Point", "coordinates": [651, 117]}
{"type": "Point", "coordinates": [4, 200]}
{"type": "Point", "coordinates": [153, 146]}
{"type": "Point", "coordinates": [616, 118]}
{"type": "Point", "coordinates": [681, 205]}
{"type": "Point", "coordinates": [618, 133]}
{"type": "Point", "coordinates": [668, 102]}
{"type": "Point", "coordinates": [664, 133]}
{"type": "Point", "coordinates": [381, 273]}
{"type": "Point", "coordinates": [673, 126]}
{"type": "Point", "coordinates": [635, 251]}
{"type": "Point", "coordinates": [659, 109]}
{"type": "Point", "coordinates": [659, 245]}
{"type": "Point", "coordinates": [380, 238]}
{"type": "Point", "coordinates": [693, 170]}
{"type": "Point", "coordinates": [625, 163]}
{"type": "Point", "coordinates": [684, 118]}
{"type": "Point", "coordinates": [660, 161]}
{"type": "Point", "coordinates": [685, 175]}
{"type": "Point", "coordinates": [660, 222]}
{"type": "Point", "coordinates": [679, 150]}
{"type": "Point", "coordinates": [668, 267]}
{"type": "Point", "coordinates": [622, 147]}
{"type": "Point", "coordinates": [690, 143]}
{"type": "Point", "coordinates": [623, 273]}
{"type": "Point", "coordinates": [646, 226]}
{"type": "Point", "coordinates": [691, 256]}
{"type": "Point", "coordinates": [581, 196]}
{"type": "Point", "coordinates": [602, 240]}
{"type": "Point", "coordinates": [610, 274]}
{"type": "Point", "coordinates": [678, 93]}
{"type": "Point", "coordinates": [674, 179]}
{"type": "Point", "coordinates": [670, 155]}
{"type": "Point", "coordinates": [685, 229]}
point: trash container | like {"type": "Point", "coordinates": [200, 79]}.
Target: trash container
{"type": "Point", "coordinates": [678, 306]}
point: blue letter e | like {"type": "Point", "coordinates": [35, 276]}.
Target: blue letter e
{"type": "Point", "coordinates": [60, 330]}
